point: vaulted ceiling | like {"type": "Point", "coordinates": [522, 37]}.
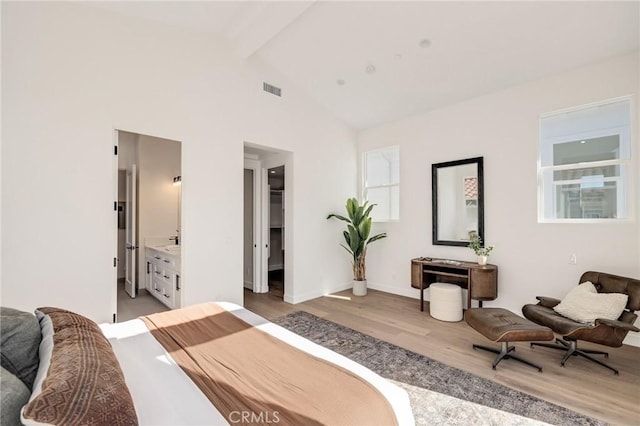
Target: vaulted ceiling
{"type": "Point", "coordinates": [371, 62]}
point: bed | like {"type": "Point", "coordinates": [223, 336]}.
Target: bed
{"type": "Point", "coordinates": [139, 374]}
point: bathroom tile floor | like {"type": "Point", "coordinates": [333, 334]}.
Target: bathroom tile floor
{"type": "Point", "coordinates": [143, 304]}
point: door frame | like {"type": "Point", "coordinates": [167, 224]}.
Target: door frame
{"type": "Point", "coordinates": [114, 226]}
{"type": "Point", "coordinates": [259, 281]}
{"type": "Point", "coordinates": [269, 157]}
{"type": "Point", "coordinates": [131, 233]}
{"type": "Point", "coordinates": [285, 158]}
{"type": "Point", "coordinates": [115, 152]}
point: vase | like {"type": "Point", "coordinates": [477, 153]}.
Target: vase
{"type": "Point", "coordinates": [359, 287]}
{"type": "Point", "coordinates": [482, 260]}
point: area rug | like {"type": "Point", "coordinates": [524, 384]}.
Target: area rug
{"type": "Point", "coordinates": [433, 387]}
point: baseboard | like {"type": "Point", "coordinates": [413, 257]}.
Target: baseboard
{"type": "Point", "coordinates": [301, 298]}
{"type": "Point", "coordinates": [316, 293]}
{"type": "Point", "coordinates": [408, 292]}
{"type": "Point", "coordinates": [339, 288]}
{"type": "Point", "coordinates": [248, 284]}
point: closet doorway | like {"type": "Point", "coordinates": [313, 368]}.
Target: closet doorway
{"type": "Point", "coordinates": [266, 221]}
{"type": "Point", "coordinates": [275, 178]}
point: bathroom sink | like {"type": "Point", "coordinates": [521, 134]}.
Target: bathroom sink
{"type": "Point", "coordinates": [173, 248]}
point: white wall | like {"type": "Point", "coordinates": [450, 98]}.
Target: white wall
{"type": "Point", "coordinates": [65, 91]}
{"type": "Point", "coordinates": [503, 127]}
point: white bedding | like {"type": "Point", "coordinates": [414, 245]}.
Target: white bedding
{"type": "Point", "coordinates": [164, 395]}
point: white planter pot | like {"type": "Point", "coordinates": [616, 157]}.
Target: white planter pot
{"type": "Point", "coordinates": [482, 260]}
{"type": "Point", "coordinates": [359, 288]}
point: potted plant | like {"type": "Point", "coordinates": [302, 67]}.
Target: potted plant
{"type": "Point", "coordinates": [357, 239]}
{"type": "Point", "coordinates": [476, 245]}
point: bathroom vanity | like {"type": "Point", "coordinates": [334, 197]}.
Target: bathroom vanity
{"type": "Point", "coordinates": [163, 280]}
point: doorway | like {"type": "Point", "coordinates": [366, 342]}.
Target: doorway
{"type": "Point", "coordinates": [276, 178]}
{"type": "Point", "coordinates": [149, 208]}
{"type": "Point", "coordinates": [267, 221]}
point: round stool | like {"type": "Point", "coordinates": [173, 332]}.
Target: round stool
{"type": "Point", "coordinates": [445, 302]}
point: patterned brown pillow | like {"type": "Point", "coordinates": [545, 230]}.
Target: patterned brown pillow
{"type": "Point", "coordinates": [84, 384]}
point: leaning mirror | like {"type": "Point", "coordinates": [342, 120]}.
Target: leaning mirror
{"type": "Point", "coordinates": [457, 201]}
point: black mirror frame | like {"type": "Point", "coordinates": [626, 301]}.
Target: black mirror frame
{"type": "Point", "coordinates": [434, 200]}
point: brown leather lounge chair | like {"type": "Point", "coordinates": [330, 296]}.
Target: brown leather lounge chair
{"type": "Point", "coordinates": [603, 331]}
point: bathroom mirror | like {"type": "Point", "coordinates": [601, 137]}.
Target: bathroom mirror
{"type": "Point", "coordinates": [457, 201]}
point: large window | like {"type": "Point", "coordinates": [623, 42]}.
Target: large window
{"type": "Point", "coordinates": [583, 164]}
{"type": "Point", "coordinates": [381, 182]}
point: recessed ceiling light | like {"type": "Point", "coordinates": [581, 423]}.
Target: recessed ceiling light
{"type": "Point", "coordinates": [424, 43]}
{"type": "Point", "coordinates": [370, 69]}
{"type": "Point", "coordinates": [340, 82]}
{"type": "Point", "coordinates": [583, 141]}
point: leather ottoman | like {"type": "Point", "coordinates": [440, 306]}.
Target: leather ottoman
{"type": "Point", "coordinates": [501, 325]}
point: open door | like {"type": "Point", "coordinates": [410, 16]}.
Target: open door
{"type": "Point", "coordinates": [130, 285]}
{"type": "Point", "coordinates": [264, 212]}
{"type": "Point", "coordinates": [249, 241]}
{"type": "Point", "coordinates": [253, 226]}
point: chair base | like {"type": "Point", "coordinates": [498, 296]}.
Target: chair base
{"type": "Point", "coordinates": [505, 353]}
{"type": "Point", "coordinates": [571, 348]}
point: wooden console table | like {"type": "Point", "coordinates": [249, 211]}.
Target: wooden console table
{"type": "Point", "coordinates": [481, 281]}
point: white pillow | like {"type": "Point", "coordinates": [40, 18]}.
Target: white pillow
{"type": "Point", "coordinates": [584, 304]}
{"type": "Point", "coordinates": [45, 352]}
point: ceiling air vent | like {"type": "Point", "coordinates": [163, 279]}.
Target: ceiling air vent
{"type": "Point", "coordinates": [271, 89]}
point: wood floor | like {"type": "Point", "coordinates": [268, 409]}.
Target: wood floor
{"type": "Point", "coordinates": [581, 386]}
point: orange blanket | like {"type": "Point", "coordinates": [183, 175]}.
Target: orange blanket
{"type": "Point", "coordinates": [252, 377]}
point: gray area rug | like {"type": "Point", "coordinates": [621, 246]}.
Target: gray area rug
{"type": "Point", "coordinates": [415, 373]}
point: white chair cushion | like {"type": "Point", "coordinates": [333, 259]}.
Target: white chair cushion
{"type": "Point", "coordinates": [584, 304]}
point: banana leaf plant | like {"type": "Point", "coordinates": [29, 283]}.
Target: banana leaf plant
{"type": "Point", "coordinates": [357, 233]}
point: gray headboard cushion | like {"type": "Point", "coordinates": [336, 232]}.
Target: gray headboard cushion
{"type": "Point", "coordinates": [20, 338]}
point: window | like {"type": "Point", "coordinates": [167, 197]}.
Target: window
{"type": "Point", "coordinates": [381, 182]}
{"type": "Point", "coordinates": [583, 164]}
